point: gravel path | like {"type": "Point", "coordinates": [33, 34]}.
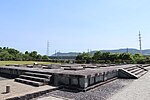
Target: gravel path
{"type": "Point", "coordinates": [100, 93]}
{"type": "Point", "coordinates": [138, 90]}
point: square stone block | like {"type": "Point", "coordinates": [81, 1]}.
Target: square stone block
{"type": "Point", "coordinates": [83, 82]}
{"type": "Point", "coordinates": [99, 78]}
{"type": "Point", "coordinates": [74, 81]}
{"type": "Point", "coordinates": [91, 80]}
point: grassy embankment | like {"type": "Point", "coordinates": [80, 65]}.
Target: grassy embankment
{"type": "Point", "coordinates": [2, 63]}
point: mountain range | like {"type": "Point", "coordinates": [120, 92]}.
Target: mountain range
{"type": "Point", "coordinates": [132, 51]}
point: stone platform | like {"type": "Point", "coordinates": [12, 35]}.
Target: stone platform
{"type": "Point", "coordinates": [80, 77]}
{"type": "Point", "coordinates": [18, 90]}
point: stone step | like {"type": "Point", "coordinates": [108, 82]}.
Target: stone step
{"type": "Point", "coordinates": [44, 80]}
{"type": "Point", "coordinates": [38, 75]}
{"type": "Point", "coordinates": [123, 73]}
{"type": "Point", "coordinates": [29, 82]}
{"type": "Point", "coordinates": [138, 72]}
{"type": "Point", "coordinates": [132, 68]}
{"type": "Point", "coordinates": [142, 73]}
{"type": "Point", "coordinates": [135, 70]}
{"type": "Point", "coordinates": [132, 72]}
{"type": "Point", "coordinates": [129, 67]}
{"type": "Point", "coordinates": [147, 65]}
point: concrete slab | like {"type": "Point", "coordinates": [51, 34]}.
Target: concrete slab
{"type": "Point", "coordinates": [18, 89]}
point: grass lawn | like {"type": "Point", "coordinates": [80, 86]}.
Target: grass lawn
{"type": "Point", "coordinates": [22, 62]}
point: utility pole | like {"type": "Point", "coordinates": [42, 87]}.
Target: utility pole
{"type": "Point", "coordinates": [140, 42]}
{"type": "Point", "coordinates": [88, 51]}
{"type": "Point", "coordinates": [127, 50]}
{"type": "Point", "coordinates": [55, 53]}
{"type": "Point", "coordinates": [47, 48]}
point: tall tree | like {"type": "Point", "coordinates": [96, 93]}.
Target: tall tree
{"type": "Point", "coordinates": [97, 55]}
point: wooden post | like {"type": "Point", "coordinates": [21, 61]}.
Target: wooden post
{"type": "Point", "coordinates": [7, 89]}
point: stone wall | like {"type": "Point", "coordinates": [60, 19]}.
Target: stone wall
{"type": "Point", "coordinates": [11, 71]}
{"type": "Point", "coordinates": [82, 82]}
{"type": "Point", "coordinates": [69, 80]}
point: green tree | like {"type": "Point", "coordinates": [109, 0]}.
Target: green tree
{"type": "Point", "coordinates": [79, 56]}
{"type": "Point", "coordinates": [12, 51]}
{"type": "Point", "coordinates": [113, 57]}
{"type": "Point", "coordinates": [86, 57]}
{"type": "Point", "coordinates": [33, 54]}
{"type": "Point", "coordinates": [97, 56]}
{"type": "Point", "coordinates": [26, 52]}
{"type": "Point", "coordinates": [126, 56]}
{"type": "Point", "coordinates": [139, 58]}
{"type": "Point", "coordinates": [39, 57]}
{"type": "Point", "coordinates": [26, 57]}
{"type": "Point", "coordinates": [4, 55]}
{"type": "Point", "coordinates": [105, 56]}
{"type": "Point", "coordinates": [45, 57]}
{"type": "Point", "coordinates": [19, 57]}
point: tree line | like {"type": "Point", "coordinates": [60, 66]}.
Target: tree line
{"type": "Point", "coordinates": [107, 57]}
{"type": "Point", "coordinates": [98, 57]}
{"type": "Point", "coordinates": [13, 54]}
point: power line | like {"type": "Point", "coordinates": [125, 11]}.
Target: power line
{"type": "Point", "coordinates": [47, 48]}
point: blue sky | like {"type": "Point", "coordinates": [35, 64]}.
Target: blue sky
{"type": "Point", "coordinates": [74, 25]}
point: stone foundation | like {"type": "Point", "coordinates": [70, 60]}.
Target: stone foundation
{"type": "Point", "coordinates": [81, 79]}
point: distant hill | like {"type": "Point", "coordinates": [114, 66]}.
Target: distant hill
{"type": "Point", "coordinates": [66, 54]}
{"type": "Point", "coordinates": [132, 51]}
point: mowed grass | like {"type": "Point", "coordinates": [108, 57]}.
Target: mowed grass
{"type": "Point", "coordinates": [2, 63]}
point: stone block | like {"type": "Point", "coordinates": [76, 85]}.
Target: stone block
{"type": "Point", "coordinates": [63, 80]}
{"type": "Point", "coordinates": [74, 81]}
{"type": "Point", "coordinates": [99, 78]}
{"type": "Point", "coordinates": [92, 80]}
{"type": "Point", "coordinates": [83, 82]}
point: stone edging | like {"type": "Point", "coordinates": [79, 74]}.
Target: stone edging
{"type": "Point", "coordinates": [32, 95]}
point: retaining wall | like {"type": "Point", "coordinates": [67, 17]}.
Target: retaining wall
{"type": "Point", "coordinates": [12, 71]}
{"type": "Point", "coordinates": [82, 82]}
